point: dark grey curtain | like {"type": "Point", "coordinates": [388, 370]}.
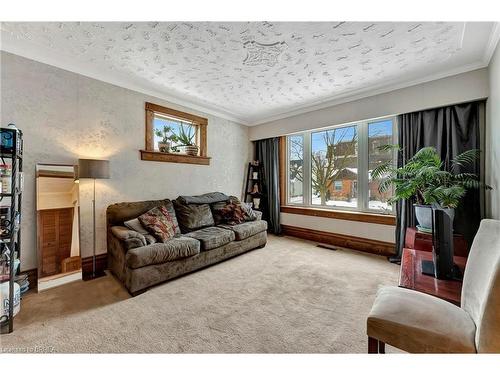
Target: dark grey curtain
{"type": "Point", "coordinates": [267, 152]}
{"type": "Point", "coordinates": [451, 130]}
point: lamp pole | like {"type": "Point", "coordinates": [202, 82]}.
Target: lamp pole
{"type": "Point", "coordinates": [93, 232]}
{"type": "Point", "coordinates": [93, 169]}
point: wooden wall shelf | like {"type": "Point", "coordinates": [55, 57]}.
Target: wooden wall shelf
{"type": "Point", "coordinates": [174, 158]}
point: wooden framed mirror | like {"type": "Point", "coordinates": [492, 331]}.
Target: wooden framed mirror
{"type": "Point", "coordinates": [58, 229]}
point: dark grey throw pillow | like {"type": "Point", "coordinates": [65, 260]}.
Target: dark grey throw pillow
{"type": "Point", "coordinates": [135, 224]}
{"type": "Point", "coordinates": [193, 216]}
{"type": "Point", "coordinates": [216, 212]}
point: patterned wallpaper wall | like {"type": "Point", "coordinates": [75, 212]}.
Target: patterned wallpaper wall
{"type": "Point", "coordinates": [65, 116]}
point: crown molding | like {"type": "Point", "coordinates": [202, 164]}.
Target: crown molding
{"type": "Point", "coordinates": [368, 92]}
{"type": "Point", "coordinates": [492, 43]}
{"type": "Point", "coordinates": [36, 53]}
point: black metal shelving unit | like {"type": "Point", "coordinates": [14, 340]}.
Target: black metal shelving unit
{"type": "Point", "coordinates": [11, 153]}
{"type": "Point", "coordinates": [251, 182]}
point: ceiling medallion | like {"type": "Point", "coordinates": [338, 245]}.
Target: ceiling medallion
{"type": "Point", "coordinates": [263, 54]}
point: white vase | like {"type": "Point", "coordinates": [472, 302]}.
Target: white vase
{"type": "Point", "coordinates": [256, 203]}
{"type": "Point", "coordinates": [424, 215]}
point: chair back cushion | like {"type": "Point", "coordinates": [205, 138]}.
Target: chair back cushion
{"type": "Point", "coordinates": [481, 286]}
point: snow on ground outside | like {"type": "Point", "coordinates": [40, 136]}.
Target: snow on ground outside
{"type": "Point", "coordinates": [374, 205]}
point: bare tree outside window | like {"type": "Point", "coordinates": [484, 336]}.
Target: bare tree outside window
{"type": "Point", "coordinates": [334, 157]}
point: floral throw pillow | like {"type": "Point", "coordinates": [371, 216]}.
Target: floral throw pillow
{"type": "Point", "coordinates": [231, 213]}
{"type": "Point", "coordinates": [159, 223]}
{"type": "Point", "coordinates": [246, 207]}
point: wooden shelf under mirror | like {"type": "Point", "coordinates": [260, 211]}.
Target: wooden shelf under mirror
{"type": "Point", "coordinates": [174, 158]}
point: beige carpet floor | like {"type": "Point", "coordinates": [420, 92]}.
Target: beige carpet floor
{"type": "Point", "coordinates": [289, 297]}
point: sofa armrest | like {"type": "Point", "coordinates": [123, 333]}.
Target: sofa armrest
{"type": "Point", "coordinates": [258, 214]}
{"type": "Point", "coordinates": [130, 238]}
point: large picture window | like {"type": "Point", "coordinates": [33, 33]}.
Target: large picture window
{"type": "Point", "coordinates": [331, 167]}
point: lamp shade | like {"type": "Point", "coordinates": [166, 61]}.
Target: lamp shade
{"type": "Point", "coordinates": [93, 168]}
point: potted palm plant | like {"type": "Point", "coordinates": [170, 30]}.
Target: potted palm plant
{"type": "Point", "coordinates": [186, 138]}
{"type": "Point", "coordinates": [423, 180]}
{"type": "Point", "coordinates": [167, 138]}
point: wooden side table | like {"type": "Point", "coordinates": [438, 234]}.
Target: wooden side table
{"type": "Point", "coordinates": [411, 276]}
{"type": "Point", "coordinates": [423, 241]}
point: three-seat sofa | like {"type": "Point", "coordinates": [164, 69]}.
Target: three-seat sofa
{"type": "Point", "coordinates": [140, 261]}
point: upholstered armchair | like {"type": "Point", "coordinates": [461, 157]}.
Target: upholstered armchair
{"type": "Point", "coordinates": [420, 323]}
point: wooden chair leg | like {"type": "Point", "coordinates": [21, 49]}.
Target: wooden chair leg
{"type": "Point", "coordinates": [373, 345]}
{"type": "Point", "coordinates": [381, 347]}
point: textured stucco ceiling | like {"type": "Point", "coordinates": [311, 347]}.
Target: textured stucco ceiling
{"type": "Point", "coordinates": [256, 70]}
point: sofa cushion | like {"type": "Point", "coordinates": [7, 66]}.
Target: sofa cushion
{"type": "Point", "coordinates": [173, 249]}
{"type": "Point", "coordinates": [193, 216]}
{"type": "Point", "coordinates": [246, 229]}
{"type": "Point", "coordinates": [212, 237]}
{"type": "Point", "coordinates": [206, 198]}
{"type": "Point", "coordinates": [159, 223]}
{"type": "Point", "coordinates": [258, 214]}
{"type": "Point", "coordinates": [130, 238]}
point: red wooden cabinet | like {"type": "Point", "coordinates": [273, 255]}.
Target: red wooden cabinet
{"type": "Point", "coordinates": [411, 276]}
{"type": "Point", "coordinates": [423, 241]}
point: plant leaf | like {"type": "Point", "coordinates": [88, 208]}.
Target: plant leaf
{"type": "Point", "coordinates": [466, 159]}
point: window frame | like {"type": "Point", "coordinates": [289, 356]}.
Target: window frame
{"type": "Point", "coordinates": [363, 154]}
{"type": "Point", "coordinates": [149, 153]}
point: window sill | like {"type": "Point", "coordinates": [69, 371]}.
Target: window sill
{"type": "Point", "coordinates": [174, 158]}
{"type": "Point", "coordinates": [341, 215]}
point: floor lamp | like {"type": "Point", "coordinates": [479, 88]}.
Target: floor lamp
{"type": "Point", "coordinates": [93, 169]}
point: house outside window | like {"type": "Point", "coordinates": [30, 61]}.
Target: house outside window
{"type": "Point", "coordinates": [331, 168]}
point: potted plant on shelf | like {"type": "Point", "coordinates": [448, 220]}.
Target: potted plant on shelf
{"type": "Point", "coordinates": [186, 138]}
{"type": "Point", "coordinates": [423, 180]}
{"type": "Point", "coordinates": [167, 138]}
